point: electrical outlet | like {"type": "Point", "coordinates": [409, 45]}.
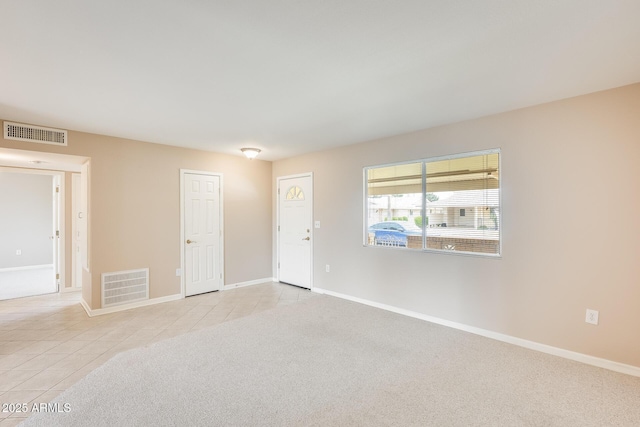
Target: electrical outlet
{"type": "Point", "coordinates": [18, 252]}
{"type": "Point", "coordinates": [592, 317]}
{"type": "Point", "coordinates": [327, 268]}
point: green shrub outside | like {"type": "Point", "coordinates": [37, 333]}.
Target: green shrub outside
{"type": "Point", "coordinates": [418, 221]}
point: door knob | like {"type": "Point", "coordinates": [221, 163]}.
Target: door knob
{"type": "Point", "coordinates": [307, 238]}
{"type": "Point", "coordinates": [191, 241]}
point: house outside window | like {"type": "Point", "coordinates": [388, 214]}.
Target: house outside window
{"type": "Point", "coordinates": [440, 204]}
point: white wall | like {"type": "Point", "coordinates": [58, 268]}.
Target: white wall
{"type": "Point", "coordinates": [26, 219]}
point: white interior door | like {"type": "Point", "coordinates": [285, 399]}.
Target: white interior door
{"type": "Point", "coordinates": [295, 215]}
{"type": "Point", "coordinates": [202, 233]}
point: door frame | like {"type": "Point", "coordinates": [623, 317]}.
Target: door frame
{"type": "Point", "coordinates": [76, 264]}
{"type": "Point", "coordinates": [59, 217]}
{"type": "Point", "coordinates": [311, 227]}
{"type": "Point", "coordinates": [183, 172]}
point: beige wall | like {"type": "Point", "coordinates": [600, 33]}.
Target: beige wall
{"type": "Point", "coordinates": [559, 160]}
{"type": "Point", "coordinates": [135, 209]}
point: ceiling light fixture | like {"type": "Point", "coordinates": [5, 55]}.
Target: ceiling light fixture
{"type": "Point", "coordinates": [251, 153]}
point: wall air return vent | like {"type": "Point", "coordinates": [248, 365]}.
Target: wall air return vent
{"type": "Point", "coordinates": [38, 134]}
{"type": "Point", "coordinates": [123, 287]}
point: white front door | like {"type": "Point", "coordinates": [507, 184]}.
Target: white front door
{"type": "Point", "coordinates": [202, 233]}
{"type": "Point", "coordinates": [295, 214]}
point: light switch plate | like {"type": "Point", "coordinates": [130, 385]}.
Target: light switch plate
{"type": "Point", "coordinates": [317, 225]}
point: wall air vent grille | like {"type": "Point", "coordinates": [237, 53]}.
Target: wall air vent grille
{"type": "Point", "coordinates": [123, 287]}
{"type": "Point", "coordinates": [37, 134]}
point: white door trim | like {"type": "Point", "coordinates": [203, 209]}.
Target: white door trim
{"type": "Point", "coordinates": [76, 264]}
{"type": "Point", "coordinates": [59, 218]}
{"type": "Point", "coordinates": [278, 179]}
{"type": "Point", "coordinates": [183, 172]}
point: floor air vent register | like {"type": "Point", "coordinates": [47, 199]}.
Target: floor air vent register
{"type": "Point", "coordinates": [123, 287]}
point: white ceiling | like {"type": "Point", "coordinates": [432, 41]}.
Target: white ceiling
{"type": "Point", "coordinates": [292, 76]}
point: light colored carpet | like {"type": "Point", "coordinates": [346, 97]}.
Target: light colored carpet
{"type": "Point", "coordinates": [325, 361]}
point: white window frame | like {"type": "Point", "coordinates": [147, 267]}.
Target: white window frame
{"type": "Point", "coordinates": [424, 161]}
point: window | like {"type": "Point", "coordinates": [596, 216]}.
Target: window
{"type": "Point", "coordinates": [443, 204]}
{"type": "Point", "coordinates": [295, 193]}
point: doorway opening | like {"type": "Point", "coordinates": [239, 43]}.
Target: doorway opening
{"type": "Point", "coordinates": [30, 230]}
{"type": "Point", "coordinates": [36, 208]}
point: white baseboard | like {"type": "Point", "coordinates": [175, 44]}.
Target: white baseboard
{"type": "Point", "coordinates": [68, 289]}
{"type": "Point", "coordinates": [26, 267]}
{"type": "Point", "coordinates": [531, 345]}
{"type": "Point", "coordinates": [248, 283]}
{"type": "Point", "coordinates": [123, 307]}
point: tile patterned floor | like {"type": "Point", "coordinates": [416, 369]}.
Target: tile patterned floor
{"type": "Point", "coordinates": [48, 343]}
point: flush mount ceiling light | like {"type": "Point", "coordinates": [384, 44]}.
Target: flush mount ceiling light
{"type": "Point", "coordinates": [251, 153]}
